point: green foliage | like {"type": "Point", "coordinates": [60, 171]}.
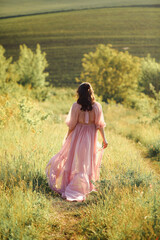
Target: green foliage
{"type": "Point", "coordinates": [156, 101]}
{"type": "Point", "coordinates": [113, 74]}
{"type": "Point", "coordinates": [30, 67]}
{"type": "Point", "coordinates": [154, 150]}
{"type": "Point", "coordinates": [4, 68]}
{"type": "Point", "coordinates": [150, 74]}
{"type": "Point", "coordinates": [27, 71]}
{"type": "Point", "coordinates": [148, 107]}
{"type": "Point", "coordinates": [31, 114]}
{"type": "Point", "coordinates": [40, 93]}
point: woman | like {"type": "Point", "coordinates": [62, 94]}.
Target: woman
{"type": "Point", "coordinates": [73, 170]}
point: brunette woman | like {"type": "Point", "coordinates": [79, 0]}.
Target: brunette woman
{"type": "Point", "coordinates": [73, 170]}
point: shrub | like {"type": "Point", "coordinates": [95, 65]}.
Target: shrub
{"type": "Point", "coordinates": [40, 93]}
{"type": "Point", "coordinates": [30, 67]}
{"type": "Point", "coordinates": [154, 150]}
{"type": "Point", "coordinates": [30, 113]}
{"type": "Point", "coordinates": [156, 102]}
{"type": "Point", "coordinates": [113, 74]}
{"type": "Point", "coordinates": [150, 74]}
{"type": "Point", "coordinates": [4, 66]}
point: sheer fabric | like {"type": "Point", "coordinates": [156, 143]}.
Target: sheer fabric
{"type": "Point", "coordinates": [72, 171]}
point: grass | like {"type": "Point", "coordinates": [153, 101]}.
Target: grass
{"type": "Point", "coordinates": [126, 205]}
{"type": "Point", "coordinates": [133, 125]}
{"type": "Point", "coordinates": [65, 37]}
{"type": "Point", "coordinates": [10, 8]}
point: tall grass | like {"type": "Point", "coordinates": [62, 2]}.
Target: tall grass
{"type": "Point", "coordinates": [135, 126]}
{"type": "Point", "coordinates": [126, 205]}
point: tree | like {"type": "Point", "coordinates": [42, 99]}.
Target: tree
{"type": "Point", "coordinates": [4, 66]}
{"type": "Point", "coordinates": [150, 75]}
{"type": "Point", "coordinates": [30, 67]}
{"type": "Point", "coordinates": [113, 74]}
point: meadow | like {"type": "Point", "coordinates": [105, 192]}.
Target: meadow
{"type": "Point", "coordinates": [65, 37]}
{"type": "Point", "coordinates": [126, 205]}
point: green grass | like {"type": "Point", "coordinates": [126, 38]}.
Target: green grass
{"type": "Point", "coordinates": [19, 7]}
{"type": "Point", "coordinates": [65, 37]}
{"type": "Point", "coordinates": [127, 204]}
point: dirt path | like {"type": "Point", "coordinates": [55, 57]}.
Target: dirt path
{"type": "Point", "coordinates": [69, 214]}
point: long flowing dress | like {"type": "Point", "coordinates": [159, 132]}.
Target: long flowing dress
{"type": "Point", "coordinates": [74, 169]}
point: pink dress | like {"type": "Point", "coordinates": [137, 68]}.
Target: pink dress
{"type": "Point", "coordinates": [72, 171]}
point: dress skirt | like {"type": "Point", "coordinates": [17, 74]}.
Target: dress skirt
{"type": "Point", "coordinates": [74, 169]}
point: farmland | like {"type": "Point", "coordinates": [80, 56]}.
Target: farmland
{"type": "Point", "coordinates": [24, 7]}
{"type": "Point", "coordinates": [65, 37]}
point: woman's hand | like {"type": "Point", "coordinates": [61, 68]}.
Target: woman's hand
{"type": "Point", "coordinates": [105, 143]}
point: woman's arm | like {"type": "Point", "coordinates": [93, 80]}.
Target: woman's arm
{"type": "Point", "coordinates": [105, 143]}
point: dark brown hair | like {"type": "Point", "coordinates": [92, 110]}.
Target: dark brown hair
{"type": "Point", "coordinates": [85, 96]}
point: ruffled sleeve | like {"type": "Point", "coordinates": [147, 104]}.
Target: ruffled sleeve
{"type": "Point", "coordinates": [99, 118]}
{"type": "Point", "coordinates": [72, 117]}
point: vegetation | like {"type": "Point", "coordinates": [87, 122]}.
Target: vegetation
{"type": "Point", "coordinates": [126, 205]}
{"type": "Point", "coordinates": [8, 8]}
{"type": "Point", "coordinates": [28, 70]}
{"type": "Point", "coordinates": [30, 67]}
{"type": "Point", "coordinates": [66, 37]}
{"type": "Point", "coordinates": [32, 129]}
{"type": "Point", "coordinates": [4, 66]}
{"type": "Point", "coordinates": [150, 75]}
{"type": "Point", "coordinates": [113, 74]}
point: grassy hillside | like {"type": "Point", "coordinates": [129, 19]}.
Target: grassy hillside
{"type": "Point", "coordinates": [127, 203]}
{"type": "Point", "coordinates": [65, 37]}
{"type": "Point", "coordinates": [20, 7]}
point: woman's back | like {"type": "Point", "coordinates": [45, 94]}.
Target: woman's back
{"type": "Point", "coordinates": [76, 115]}
{"type": "Point", "coordinates": [86, 117]}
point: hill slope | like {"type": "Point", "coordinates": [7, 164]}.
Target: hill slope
{"type": "Point", "coordinates": [24, 7]}
{"type": "Point", "coordinates": [65, 37]}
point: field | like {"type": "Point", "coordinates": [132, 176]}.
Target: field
{"type": "Point", "coordinates": [127, 205]}
{"type": "Point", "coordinates": [22, 7]}
{"type": "Point", "coordinates": [65, 37]}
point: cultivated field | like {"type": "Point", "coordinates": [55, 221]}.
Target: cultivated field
{"type": "Point", "coordinates": [20, 7]}
{"type": "Point", "coordinates": [65, 37]}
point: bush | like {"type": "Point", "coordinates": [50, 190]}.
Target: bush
{"type": "Point", "coordinates": [30, 67]}
{"type": "Point", "coordinates": [154, 150]}
{"type": "Point", "coordinates": [150, 75]}
{"type": "Point", "coordinates": [4, 67]}
{"type": "Point", "coordinates": [41, 93]}
{"type": "Point", "coordinates": [113, 74]}
{"type": "Point", "coordinates": [156, 102]}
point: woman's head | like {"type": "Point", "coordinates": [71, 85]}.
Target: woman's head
{"type": "Point", "coordinates": [85, 96]}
